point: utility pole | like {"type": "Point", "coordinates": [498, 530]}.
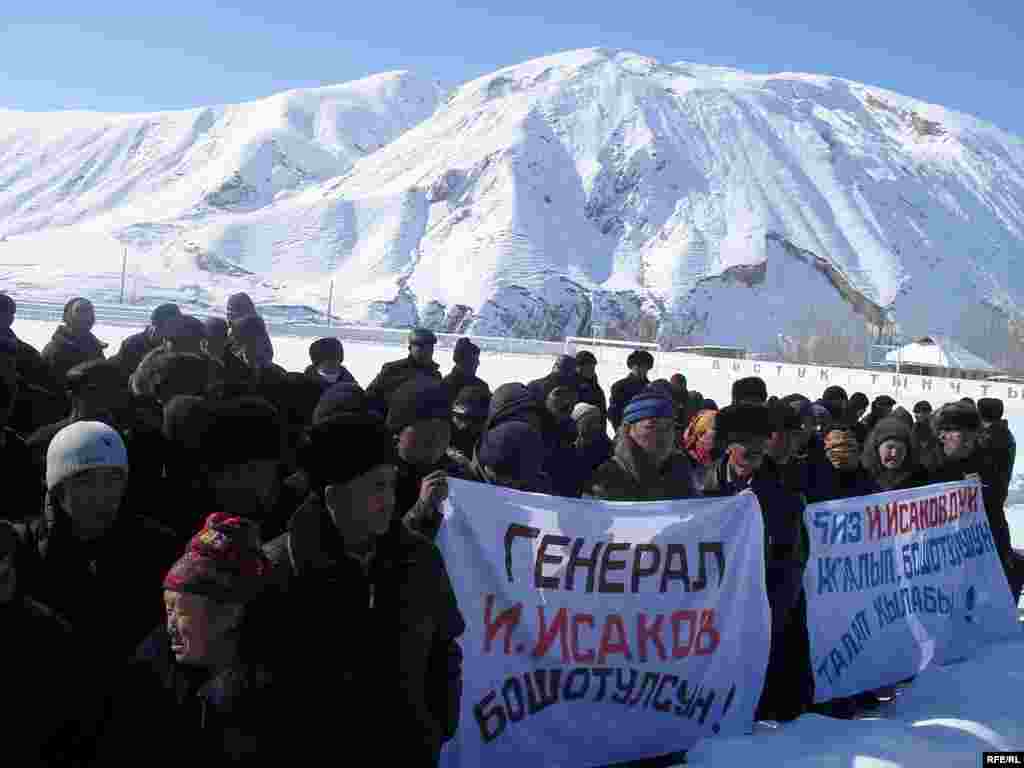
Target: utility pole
{"type": "Point", "coordinates": [124, 270]}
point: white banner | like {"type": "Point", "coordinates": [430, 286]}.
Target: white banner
{"type": "Point", "coordinates": [601, 632]}
{"type": "Point", "coordinates": [900, 580]}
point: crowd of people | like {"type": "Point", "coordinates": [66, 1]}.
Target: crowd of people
{"type": "Point", "coordinates": [198, 544]}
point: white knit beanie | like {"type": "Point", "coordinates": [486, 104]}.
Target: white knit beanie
{"type": "Point", "coordinates": [80, 446]}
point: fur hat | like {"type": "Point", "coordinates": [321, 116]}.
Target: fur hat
{"type": "Point", "coordinates": [465, 350]}
{"type": "Point", "coordinates": [751, 389]}
{"type": "Point", "coordinates": [420, 399]}
{"type": "Point", "coordinates": [990, 408]}
{"type": "Point", "coordinates": [957, 417]}
{"type": "Point", "coordinates": [243, 430]}
{"type": "Point", "coordinates": [328, 348]}
{"type": "Point", "coordinates": [338, 451]}
{"type": "Point", "coordinates": [834, 392]}
{"type": "Point", "coordinates": [423, 337]}
{"type": "Point", "coordinates": [163, 313]}
{"type": "Point", "coordinates": [640, 357]}
{"type": "Point", "coordinates": [744, 419]}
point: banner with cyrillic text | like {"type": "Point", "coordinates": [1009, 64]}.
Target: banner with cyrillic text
{"type": "Point", "coordinates": [599, 632]}
{"type": "Point", "coordinates": [900, 580]}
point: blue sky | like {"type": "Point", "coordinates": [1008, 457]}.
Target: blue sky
{"type": "Point", "coordinates": [131, 56]}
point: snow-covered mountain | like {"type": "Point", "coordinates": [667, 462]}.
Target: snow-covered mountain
{"type": "Point", "coordinates": [590, 185]}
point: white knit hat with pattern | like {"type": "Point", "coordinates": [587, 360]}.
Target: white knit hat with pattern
{"type": "Point", "coordinates": [80, 446]}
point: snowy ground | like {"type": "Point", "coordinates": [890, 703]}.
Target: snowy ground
{"type": "Point", "coordinates": [948, 717]}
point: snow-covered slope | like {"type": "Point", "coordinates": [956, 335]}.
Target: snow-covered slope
{"type": "Point", "coordinates": [591, 184]}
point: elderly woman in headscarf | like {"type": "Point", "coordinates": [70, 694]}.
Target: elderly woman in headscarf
{"type": "Point", "coordinates": [698, 442]}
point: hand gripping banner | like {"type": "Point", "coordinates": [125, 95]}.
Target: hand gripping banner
{"type": "Point", "coordinates": [900, 580]}
{"type": "Point", "coordinates": [601, 632]}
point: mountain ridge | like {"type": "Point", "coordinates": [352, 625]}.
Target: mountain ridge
{"type": "Point", "coordinates": [597, 187]}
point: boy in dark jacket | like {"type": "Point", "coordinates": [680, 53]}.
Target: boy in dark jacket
{"type": "Point", "coordinates": [466, 357]}
{"type": "Point", "coordinates": [137, 346]}
{"type": "Point", "coordinates": [326, 356]}
{"type": "Point", "coordinates": [73, 342]}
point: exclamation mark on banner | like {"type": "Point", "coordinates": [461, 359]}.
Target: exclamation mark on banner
{"type": "Point", "coordinates": [725, 708]}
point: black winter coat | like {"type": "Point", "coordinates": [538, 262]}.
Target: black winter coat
{"type": "Point", "coordinates": [827, 483]}
{"type": "Point", "coordinates": [420, 517]}
{"type": "Point", "coordinates": [997, 445]}
{"type": "Point", "coordinates": [785, 537]}
{"type": "Point", "coordinates": [928, 445]}
{"type": "Point", "coordinates": [343, 376]}
{"type": "Point", "coordinates": [953, 470]}
{"type": "Point", "coordinates": [789, 684]}
{"type": "Point", "coordinates": [41, 657]}
{"type": "Point", "coordinates": [590, 392]}
{"type": "Point", "coordinates": [403, 592]}
{"type": "Point", "coordinates": [110, 590]}
{"type": "Point", "coordinates": [623, 391]}
{"type": "Point", "coordinates": [243, 715]}
{"type": "Point", "coordinates": [66, 350]}
{"type": "Point", "coordinates": [457, 380]}
{"type": "Point", "coordinates": [23, 496]}
{"type": "Point", "coordinates": [561, 461]}
{"type": "Point", "coordinates": [133, 350]}
{"type": "Point", "coordinates": [393, 375]}
{"type": "Point", "coordinates": [630, 476]}
{"type": "Point", "coordinates": [30, 366]}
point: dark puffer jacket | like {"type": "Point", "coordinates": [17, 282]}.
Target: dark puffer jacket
{"type": "Point", "coordinates": [928, 445]}
{"type": "Point", "coordinates": [393, 375]}
{"type": "Point", "coordinates": [41, 657]}
{"type": "Point", "coordinates": [911, 474]}
{"type": "Point", "coordinates": [458, 380]}
{"type": "Point", "coordinates": [412, 601]}
{"type": "Point", "coordinates": [997, 445]}
{"type": "Point", "coordinates": [789, 685]}
{"type": "Point", "coordinates": [23, 493]}
{"type": "Point", "coordinates": [133, 350]}
{"type": "Point", "coordinates": [243, 715]}
{"type": "Point", "coordinates": [827, 483]}
{"type": "Point", "coordinates": [623, 391]}
{"type": "Point", "coordinates": [631, 476]}
{"type": "Point", "coordinates": [67, 349]}
{"type": "Point", "coordinates": [589, 391]}
{"type": "Point", "coordinates": [108, 589]}
{"type": "Point", "coordinates": [953, 470]}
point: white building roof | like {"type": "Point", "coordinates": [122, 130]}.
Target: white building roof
{"type": "Point", "coordinates": [939, 352]}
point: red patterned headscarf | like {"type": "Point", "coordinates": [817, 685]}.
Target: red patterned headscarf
{"type": "Point", "coordinates": [223, 561]}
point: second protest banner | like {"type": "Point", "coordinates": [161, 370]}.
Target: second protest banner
{"type": "Point", "coordinates": [900, 580]}
{"type": "Point", "coordinates": [601, 632]}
